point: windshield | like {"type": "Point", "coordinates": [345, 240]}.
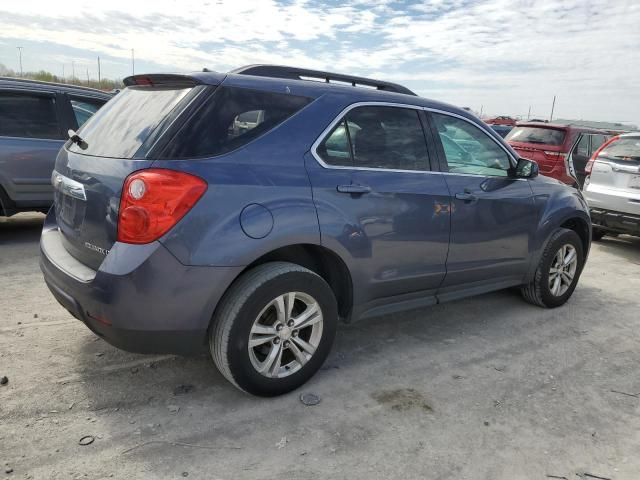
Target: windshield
{"type": "Point", "coordinates": [541, 135]}
{"type": "Point", "coordinates": [120, 127]}
{"type": "Point", "coordinates": [623, 149]}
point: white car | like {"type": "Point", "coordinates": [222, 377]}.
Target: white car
{"type": "Point", "coordinates": [612, 186]}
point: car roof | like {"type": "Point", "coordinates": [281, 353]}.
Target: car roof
{"type": "Point", "coordinates": [28, 84]}
{"type": "Point", "coordinates": [570, 126]}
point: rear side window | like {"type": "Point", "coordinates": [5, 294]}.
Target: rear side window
{"type": "Point", "coordinates": [539, 135]}
{"type": "Point", "coordinates": [377, 137]}
{"type": "Point", "coordinates": [28, 116]}
{"type": "Point", "coordinates": [230, 119]}
{"type": "Point", "coordinates": [596, 142]}
{"type": "Point", "coordinates": [84, 108]}
{"type": "Point", "coordinates": [121, 127]}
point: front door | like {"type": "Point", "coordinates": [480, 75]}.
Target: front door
{"type": "Point", "coordinates": [493, 218]}
{"type": "Point", "coordinates": [380, 205]}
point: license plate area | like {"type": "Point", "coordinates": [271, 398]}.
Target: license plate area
{"type": "Point", "coordinates": [634, 182]}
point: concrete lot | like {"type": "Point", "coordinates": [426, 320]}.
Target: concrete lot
{"type": "Point", "coordinates": [485, 388]}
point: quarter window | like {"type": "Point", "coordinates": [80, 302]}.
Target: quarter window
{"type": "Point", "coordinates": [377, 137]}
{"type": "Point", "coordinates": [468, 149]}
{"type": "Point", "coordinates": [83, 109]}
{"type": "Point", "coordinates": [28, 116]}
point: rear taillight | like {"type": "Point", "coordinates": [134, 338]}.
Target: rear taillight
{"type": "Point", "coordinates": [554, 156]}
{"type": "Point", "coordinates": [589, 166]}
{"type": "Point", "coordinates": [153, 201]}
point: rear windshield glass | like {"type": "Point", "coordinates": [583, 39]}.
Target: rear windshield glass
{"type": "Point", "coordinates": [231, 118]}
{"type": "Point", "coordinates": [541, 135]}
{"type": "Point", "coordinates": [623, 149]}
{"type": "Point", "coordinates": [120, 127]}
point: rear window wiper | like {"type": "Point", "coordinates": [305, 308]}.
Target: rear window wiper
{"type": "Point", "coordinates": [77, 139]}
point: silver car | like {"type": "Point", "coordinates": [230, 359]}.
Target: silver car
{"type": "Point", "coordinates": [612, 186]}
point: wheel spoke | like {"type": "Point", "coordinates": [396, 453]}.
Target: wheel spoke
{"type": "Point", "coordinates": [555, 289]}
{"type": "Point", "coordinates": [259, 329]}
{"type": "Point", "coordinates": [310, 349]}
{"type": "Point", "coordinates": [281, 309]}
{"type": "Point", "coordinates": [568, 277]}
{"type": "Point", "coordinates": [260, 340]}
{"type": "Point", "coordinates": [271, 364]}
{"type": "Point", "coordinates": [300, 357]}
{"type": "Point", "coordinates": [570, 257]}
{"type": "Point", "coordinates": [310, 316]}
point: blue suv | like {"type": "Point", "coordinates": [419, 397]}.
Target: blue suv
{"type": "Point", "coordinates": [248, 212]}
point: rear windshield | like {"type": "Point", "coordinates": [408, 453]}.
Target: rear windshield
{"type": "Point", "coordinates": [120, 127]}
{"type": "Point", "coordinates": [623, 149]}
{"type": "Point", "coordinates": [229, 119]}
{"type": "Point", "coordinates": [541, 135]}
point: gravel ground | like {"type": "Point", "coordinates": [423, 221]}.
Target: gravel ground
{"type": "Point", "coordinates": [485, 388]}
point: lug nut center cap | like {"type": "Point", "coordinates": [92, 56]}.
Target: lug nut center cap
{"type": "Point", "coordinates": [285, 333]}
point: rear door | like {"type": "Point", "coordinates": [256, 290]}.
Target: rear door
{"type": "Point", "coordinates": [31, 133]}
{"type": "Point", "coordinates": [380, 204]}
{"type": "Point", "coordinates": [493, 216]}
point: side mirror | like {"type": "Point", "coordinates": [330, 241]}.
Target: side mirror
{"type": "Point", "coordinates": [526, 168]}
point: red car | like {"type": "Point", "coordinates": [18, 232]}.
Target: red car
{"type": "Point", "coordinates": [561, 151]}
{"type": "Point", "coordinates": [501, 120]}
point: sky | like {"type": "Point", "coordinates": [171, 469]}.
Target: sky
{"type": "Point", "coordinates": [501, 56]}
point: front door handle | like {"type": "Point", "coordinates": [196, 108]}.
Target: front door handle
{"type": "Point", "coordinates": [354, 189]}
{"type": "Point", "coordinates": [468, 197]}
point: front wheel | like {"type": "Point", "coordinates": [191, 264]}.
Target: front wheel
{"type": "Point", "coordinates": [274, 328]}
{"type": "Point", "coordinates": [558, 270]}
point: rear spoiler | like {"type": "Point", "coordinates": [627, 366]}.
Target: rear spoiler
{"type": "Point", "coordinates": [162, 79]}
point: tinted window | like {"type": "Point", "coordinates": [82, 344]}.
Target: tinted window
{"type": "Point", "coordinates": [625, 148]}
{"type": "Point", "coordinates": [83, 109]}
{"type": "Point", "coordinates": [380, 137]}
{"type": "Point", "coordinates": [123, 124]}
{"type": "Point", "coordinates": [540, 135]}
{"type": "Point", "coordinates": [28, 116]}
{"type": "Point", "coordinates": [596, 142]}
{"type": "Point", "coordinates": [231, 118]}
{"type": "Point", "coordinates": [468, 149]}
{"type": "Point", "coordinates": [582, 148]}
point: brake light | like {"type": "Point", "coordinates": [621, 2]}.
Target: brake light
{"type": "Point", "coordinates": [153, 201]}
{"type": "Point", "coordinates": [555, 156]}
{"type": "Point", "coordinates": [589, 166]}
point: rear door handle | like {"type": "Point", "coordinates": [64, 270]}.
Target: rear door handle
{"type": "Point", "coordinates": [354, 189]}
{"type": "Point", "coordinates": [466, 196]}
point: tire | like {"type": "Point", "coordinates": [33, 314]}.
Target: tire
{"type": "Point", "coordinates": [249, 311]}
{"type": "Point", "coordinates": [539, 291]}
{"type": "Point", "coordinates": [597, 234]}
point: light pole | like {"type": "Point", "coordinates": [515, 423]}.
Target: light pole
{"type": "Point", "coordinates": [20, 56]}
{"type": "Point", "coordinates": [99, 77]}
{"type": "Point", "coordinates": [133, 63]}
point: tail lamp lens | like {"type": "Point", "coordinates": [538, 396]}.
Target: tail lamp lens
{"type": "Point", "coordinates": [153, 201]}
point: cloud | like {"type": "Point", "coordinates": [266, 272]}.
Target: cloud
{"type": "Point", "coordinates": [503, 54]}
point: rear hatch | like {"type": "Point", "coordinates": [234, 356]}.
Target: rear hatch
{"type": "Point", "coordinates": [89, 173]}
{"type": "Point", "coordinates": [541, 143]}
{"type": "Point", "coordinates": [616, 170]}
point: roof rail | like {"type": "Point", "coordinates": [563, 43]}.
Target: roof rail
{"type": "Point", "coordinates": [294, 73]}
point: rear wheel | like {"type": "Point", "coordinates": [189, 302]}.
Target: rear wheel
{"type": "Point", "coordinates": [558, 271]}
{"type": "Point", "coordinates": [274, 328]}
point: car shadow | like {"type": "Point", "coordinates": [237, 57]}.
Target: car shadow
{"type": "Point", "coordinates": [21, 228]}
{"type": "Point", "coordinates": [624, 246]}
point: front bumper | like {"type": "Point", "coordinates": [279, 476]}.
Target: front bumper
{"type": "Point", "coordinates": [615, 221]}
{"type": "Point", "coordinates": [142, 299]}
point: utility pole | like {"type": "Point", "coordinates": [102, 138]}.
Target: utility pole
{"type": "Point", "coordinates": [133, 63]}
{"type": "Point", "coordinates": [99, 77]}
{"type": "Point", "coordinates": [481, 109]}
{"type": "Point", "coordinates": [64, 79]}
{"type": "Point", "coordinates": [87, 76]}
{"type": "Point", "coordinates": [529, 114]}
{"type": "Point", "coordinates": [73, 70]}
{"type": "Point", "coordinates": [20, 56]}
{"type": "Point", "coordinates": [553, 106]}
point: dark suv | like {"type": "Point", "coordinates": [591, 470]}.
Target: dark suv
{"type": "Point", "coordinates": [34, 120]}
{"type": "Point", "coordinates": [248, 212]}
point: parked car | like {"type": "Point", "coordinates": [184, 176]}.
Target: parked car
{"type": "Point", "coordinates": [502, 130]}
{"type": "Point", "coordinates": [34, 120]}
{"type": "Point", "coordinates": [174, 231]}
{"type": "Point", "coordinates": [561, 151]}
{"type": "Point", "coordinates": [501, 120]}
{"type": "Point", "coordinates": [612, 186]}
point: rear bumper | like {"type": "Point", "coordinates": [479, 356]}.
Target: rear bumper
{"type": "Point", "coordinates": [615, 221]}
{"type": "Point", "coordinates": [141, 299]}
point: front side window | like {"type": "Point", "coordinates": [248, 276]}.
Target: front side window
{"type": "Point", "coordinates": [377, 137]}
{"type": "Point", "coordinates": [582, 147]}
{"type": "Point", "coordinates": [84, 108]}
{"type": "Point", "coordinates": [28, 116]}
{"type": "Point", "coordinates": [468, 149]}
{"type": "Point", "coordinates": [230, 119]}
